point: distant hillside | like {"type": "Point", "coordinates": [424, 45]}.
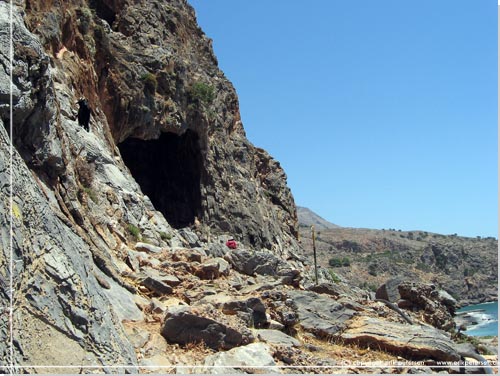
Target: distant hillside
{"type": "Point", "coordinates": [465, 267]}
{"type": "Point", "coordinates": [308, 218]}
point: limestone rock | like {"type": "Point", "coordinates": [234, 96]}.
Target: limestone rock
{"type": "Point", "coordinates": [264, 263]}
{"type": "Point", "coordinates": [389, 290]}
{"type": "Point", "coordinates": [413, 341]}
{"type": "Point", "coordinates": [184, 325]}
{"type": "Point", "coordinates": [276, 337]}
{"type": "Point", "coordinates": [145, 247]}
{"type": "Point", "coordinates": [426, 299]}
{"type": "Point", "coordinates": [320, 314]}
{"type": "Point", "coordinates": [213, 268]}
{"type": "Point", "coordinates": [156, 286]}
{"type": "Point", "coordinates": [252, 358]}
{"type": "Point", "coordinates": [254, 307]}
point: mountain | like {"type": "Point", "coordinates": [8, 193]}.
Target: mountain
{"type": "Point", "coordinates": [114, 251]}
{"type": "Point", "coordinates": [308, 218]}
{"type": "Point", "coordinates": [467, 268]}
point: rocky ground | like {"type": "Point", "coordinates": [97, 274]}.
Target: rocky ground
{"type": "Point", "coordinates": [202, 306]}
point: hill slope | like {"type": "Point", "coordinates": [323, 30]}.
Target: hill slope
{"type": "Point", "coordinates": [308, 218]}
{"type": "Point", "coordinates": [465, 267]}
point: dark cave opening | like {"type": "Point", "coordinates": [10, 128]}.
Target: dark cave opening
{"type": "Point", "coordinates": [103, 11]}
{"type": "Point", "coordinates": [168, 170]}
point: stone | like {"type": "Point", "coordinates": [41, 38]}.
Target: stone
{"type": "Point", "coordinates": [253, 306]}
{"type": "Point", "coordinates": [183, 325]}
{"type": "Point", "coordinates": [213, 268]}
{"type": "Point", "coordinates": [320, 314]}
{"type": "Point", "coordinates": [157, 306]}
{"type": "Point", "coordinates": [449, 301]}
{"type": "Point", "coordinates": [149, 248]}
{"type": "Point", "coordinates": [170, 280]}
{"type": "Point", "coordinates": [276, 337]}
{"type": "Point", "coordinates": [389, 290]}
{"type": "Point", "coordinates": [156, 286]}
{"type": "Point", "coordinates": [425, 299]}
{"type": "Point", "coordinates": [263, 263]}
{"type": "Point", "coordinates": [190, 237]}
{"type": "Point", "coordinates": [412, 341]}
{"type": "Point", "coordinates": [273, 324]}
{"type": "Point", "coordinates": [252, 358]}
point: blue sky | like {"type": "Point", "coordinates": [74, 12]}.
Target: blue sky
{"type": "Point", "coordinates": [382, 113]}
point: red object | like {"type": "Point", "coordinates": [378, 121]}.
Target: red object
{"type": "Point", "coordinates": [231, 243]}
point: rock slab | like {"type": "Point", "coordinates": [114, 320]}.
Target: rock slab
{"type": "Point", "coordinates": [412, 341]}
{"type": "Point", "coordinates": [184, 325]}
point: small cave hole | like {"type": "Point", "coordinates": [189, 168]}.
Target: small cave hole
{"type": "Point", "coordinates": [168, 170]}
{"type": "Point", "coordinates": [103, 11]}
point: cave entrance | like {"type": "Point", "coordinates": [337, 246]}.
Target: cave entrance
{"type": "Point", "coordinates": [168, 170]}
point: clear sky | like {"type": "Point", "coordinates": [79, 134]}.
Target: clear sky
{"type": "Point", "coordinates": [383, 113]}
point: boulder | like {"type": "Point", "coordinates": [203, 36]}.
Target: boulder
{"type": "Point", "coordinates": [213, 268]}
{"type": "Point", "coordinates": [276, 337]}
{"type": "Point", "coordinates": [190, 237]}
{"type": "Point", "coordinates": [184, 324]}
{"type": "Point", "coordinates": [320, 314]}
{"type": "Point", "coordinates": [425, 299]}
{"type": "Point", "coordinates": [146, 247]}
{"type": "Point", "coordinates": [411, 341]}
{"type": "Point", "coordinates": [156, 286]}
{"type": "Point", "coordinates": [389, 290]}
{"type": "Point", "coordinates": [254, 307]}
{"type": "Point", "coordinates": [263, 263]}
{"type": "Point", "coordinates": [252, 358]}
{"type": "Point", "coordinates": [449, 301]}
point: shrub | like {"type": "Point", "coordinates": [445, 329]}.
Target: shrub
{"type": "Point", "coordinates": [335, 278]}
{"type": "Point", "coordinates": [91, 193]}
{"type": "Point", "coordinates": [346, 261]}
{"type": "Point", "coordinates": [202, 92]}
{"type": "Point", "coordinates": [134, 231]}
{"type": "Point", "coordinates": [165, 236]}
{"type": "Point", "coordinates": [150, 82]}
{"type": "Point", "coordinates": [335, 262]}
{"type": "Point", "coordinates": [372, 269]}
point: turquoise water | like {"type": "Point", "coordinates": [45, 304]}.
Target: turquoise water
{"type": "Point", "coordinates": [486, 316]}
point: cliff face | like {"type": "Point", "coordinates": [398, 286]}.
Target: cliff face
{"type": "Point", "coordinates": [157, 94]}
{"type": "Point", "coordinates": [166, 150]}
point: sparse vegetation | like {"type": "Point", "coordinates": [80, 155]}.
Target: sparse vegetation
{"type": "Point", "coordinates": [134, 231]}
{"type": "Point", "coordinates": [150, 82]}
{"type": "Point", "coordinates": [202, 93]}
{"type": "Point", "coordinates": [334, 277]}
{"type": "Point", "coordinates": [337, 262]}
{"type": "Point", "coordinates": [91, 193]}
{"type": "Point", "coordinates": [164, 236]}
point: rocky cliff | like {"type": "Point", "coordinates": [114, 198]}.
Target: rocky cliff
{"type": "Point", "coordinates": [166, 150]}
{"type": "Point", "coordinates": [112, 250]}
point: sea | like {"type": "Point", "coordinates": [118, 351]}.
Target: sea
{"type": "Point", "coordinates": [486, 316]}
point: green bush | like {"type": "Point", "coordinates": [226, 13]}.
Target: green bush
{"type": "Point", "coordinates": [165, 236]}
{"type": "Point", "coordinates": [150, 82]}
{"type": "Point", "coordinates": [335, 262]}
{"type": "Point", "coordinates": [346, 261]}
{"type": "Point", "coordinates": [134, 231]}
{"type": "Point", "coordinates": [91, 193]}
{"type": "Point", "coordinates": [335, 278]}
{"type": "Point", "coordinates": [203, 93]}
